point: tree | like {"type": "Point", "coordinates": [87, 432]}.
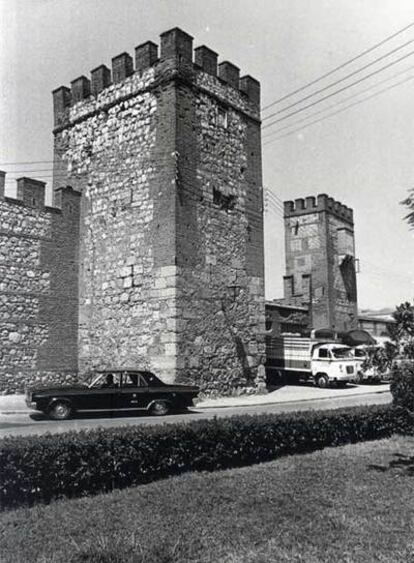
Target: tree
{"type": "Point", "coordinates": [402, 331]}
{"type": "Point", "coordinates": [409, 204]}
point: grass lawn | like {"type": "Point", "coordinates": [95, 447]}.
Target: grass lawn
{"type": "Point", "coordinates": [348, 504]}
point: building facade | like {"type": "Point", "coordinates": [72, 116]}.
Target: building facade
{"type": "Point", "coordinates": [166, 156]}
{"type": "Point", "coordinates": [320, 261]}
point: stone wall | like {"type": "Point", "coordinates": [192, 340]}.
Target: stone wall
{"type": "Point", "coordinates": [220, 250]}
{"type": "Point", "coordinates": [168, 161]}
{"type": "Point", "coordinates": [38, 287]}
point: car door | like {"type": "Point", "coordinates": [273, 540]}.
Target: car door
{"type": "Point", "coordinates": [101, 396]}
{"type": "Point", "coordinates": [321, 360]}
{"type": "Point", "coordinates": [134, 392]}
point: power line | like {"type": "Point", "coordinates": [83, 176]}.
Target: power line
{"type": "Point", "coordinates": [346, 63]}
{"type": "Point", "coordinates": [340, 90]}
{"type": "Point", "coordinates": [274, 213]}
{"type": "Point", "coordinates": [335, 112]}
{"type": "Point", "coordinates": [270, 195]}
{"type": "Point", "coordinates": [382, 91]}
{"type": "Point", "coordinates": [270, 206]}
{"type": "Point", "coordinates": [337, 81]}
{"type": "Point", "coordinates": [57, 162]}
{"type": "Point", "coordinates": [274, 202]}
{"type": "Point", "coordinates": [268, 134]}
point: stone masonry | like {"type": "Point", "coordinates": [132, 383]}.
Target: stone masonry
{"type": "Point", "coordinates": [38, 285]}
{"type": "Point", "coordinates": [166, 155]}
{"type": "Point", "coordinates": [320, 261]}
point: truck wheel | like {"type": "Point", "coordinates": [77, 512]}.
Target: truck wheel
{"type": "Point", "coordinates": [60, 410]}
{"type": "Point", "coordinates": [321, 380]}
{"type": "Point", "coordinates": [160, 408]}
{"type": "Point", "coordinates": [360, 377]}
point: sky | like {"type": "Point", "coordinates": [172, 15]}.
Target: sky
{"type": "Point", "coordinates": [362, 156]}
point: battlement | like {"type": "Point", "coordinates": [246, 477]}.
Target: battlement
{"type": "Point", "coordinates": [31, 193]}
{"type": "Point", "coordinates": [310, 204]}
{"type": "Point", "coordinates": [174, 44]}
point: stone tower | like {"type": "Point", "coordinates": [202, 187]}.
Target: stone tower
{"type": "Point", "coordinates": [320, 261]}
{"type": "Point", "coordinates": [167, 155]}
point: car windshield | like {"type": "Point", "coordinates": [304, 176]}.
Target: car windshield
{"type": "Point", "coordinates": [92, 379]}
{"type": "Point", "coordinates": [342, 353]}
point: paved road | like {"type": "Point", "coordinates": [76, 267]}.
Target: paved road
{"type": "Point", "coordinates": [36, 423]}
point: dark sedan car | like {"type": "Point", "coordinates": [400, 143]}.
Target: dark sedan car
{"type": "Point", "coordinates": [115, 390]}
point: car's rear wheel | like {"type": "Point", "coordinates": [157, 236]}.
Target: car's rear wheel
{"type": "Point", "coordinates": [160, 408]}
{"type": "Point", "coordinates": [60, 410]}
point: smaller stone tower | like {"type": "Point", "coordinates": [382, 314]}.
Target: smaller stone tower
{"type": "Point", "coordinates": [320, 261]}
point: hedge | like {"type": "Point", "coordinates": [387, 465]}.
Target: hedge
{"type": "Point", "coordinates": [402, 384]}
{"type": "Point", "coordinates": [42, 468]}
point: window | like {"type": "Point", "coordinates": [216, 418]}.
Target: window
{"type": "Point", "coordinates": [359, 353]}
{"type": "Point", "coordinates": [323, 353]}
{"type": "Point", "coordinates": [296, 244]}
{"type": "Point", "coordinates": [106, 380]}
{"type": "Point", "coordinates": [134, 380]}
{"type": "Point", "coordinates": [222, 117]}
{"type": "Point", "coordinates": [342, 353]}
{"type": "Point", "coordinates": [226, 202]}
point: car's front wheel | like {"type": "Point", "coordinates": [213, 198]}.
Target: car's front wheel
{"type": "Point", "coordinates": [160, 408]}
{"type": "Point", "coordinates": [60, 410]}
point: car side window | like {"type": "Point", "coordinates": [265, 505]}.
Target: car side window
{"type": "Point", "coordinates": [130, 380]}
{"type": "Point", "coordinates": [134, 380]}
{"type": "Point", "coordinates": [110, 381]}
{"type": "Point", "coordinates": [323, 353]}
{"type": "Point", "coordinates": [142, 381]}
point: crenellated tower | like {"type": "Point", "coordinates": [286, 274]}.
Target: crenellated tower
{"type": "Point", "coordinates": [165, 149]}
{"type": "Point", "coordinates": [320, 261]}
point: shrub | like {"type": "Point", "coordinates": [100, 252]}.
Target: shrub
{"type": "Point", "coordinates": [41, 468]}
{"type": "Point", "coordinates": [402, 384]}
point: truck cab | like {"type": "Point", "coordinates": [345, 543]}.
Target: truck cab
{"type": "Point", "coordinates": [333, 363]}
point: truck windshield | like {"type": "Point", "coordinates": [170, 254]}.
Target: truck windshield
{"type": "Point", "coordinates": [342, 352]}
{"type": "Point", "coordinates": [360, 353]}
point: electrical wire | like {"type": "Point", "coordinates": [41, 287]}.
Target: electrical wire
{"type": "Point", "coordinates": [344, 100]}
{"type": "Point", "coordinates": [339, 67]}
{"type": "Point", "coordinates": [268, 142]}
{"type": "Point", "coordinates": [277, 200]}
{"type": "Point", "coordinates": [339, 80]}
{"type": "Point", "coordinates": [338, 91]}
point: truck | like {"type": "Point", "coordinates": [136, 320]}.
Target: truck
{"type": "Point", "coordinates": [321, 360]}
